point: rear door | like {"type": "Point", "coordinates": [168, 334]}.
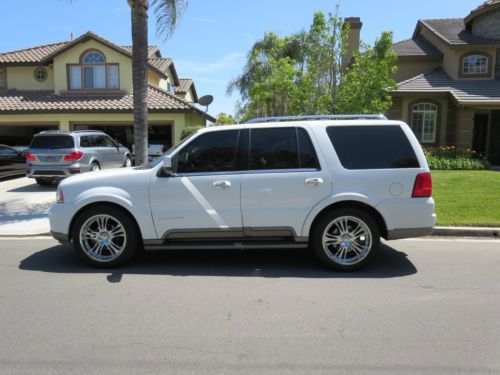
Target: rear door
{"type": "Point", "coordinates": [106, 150]}
{"type": "Point", "coordinates": [285, 180]}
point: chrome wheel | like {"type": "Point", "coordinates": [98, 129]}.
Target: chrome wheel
{"type": "Point", "coordinates": [128, 163]}
{"type": "Point", "coordinates": [95, 167]}
{"type": "Point", "coordinates": [347, 240]}
{"type": "Point", "coordinates": [103, 238]}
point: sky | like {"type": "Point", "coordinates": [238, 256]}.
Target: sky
{"type": "Point", "coordinates": [213, 37]}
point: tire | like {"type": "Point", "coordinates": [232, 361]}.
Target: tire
{"type": "Point", "coordinates": [92, 237]}
{"type": "Point", "coordinates": [345, 250]}
{"type": "Point", "coordinates": [44, 181]}
{"type": "Point", "coordinates": [95, 167]}
{"type": "Point", "coordinates": [128, 162]}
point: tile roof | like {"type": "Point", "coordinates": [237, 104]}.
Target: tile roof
{"type": "Point", "coordinates": [184, 86]}
{"type": "Point", "coordinates": [483, 8]}
{"type": "Point", "coordinates": [417, 46]}
{"type": "Point", "coordinates": [151, 50]}
{"type": "Point", "coordinates": [453, 31]}
{"type": "Point", "coordinates": [161, 63]}
{"type": "Point", "coordinates": [464, 91]}
{"type": "Point", "coordinates": [46, 101]}
{"type": "Point", "coordinates": [30, 55]}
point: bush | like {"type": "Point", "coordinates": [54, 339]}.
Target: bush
{"type": "Point", "coordinates": [463, 163]}
{"type": "Point", "coordinates": [188, 130]}
{"type": "Point", "coordinates": [449, 157]}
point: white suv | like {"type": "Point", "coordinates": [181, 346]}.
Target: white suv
{"type": "Point", "coordinates": [336, 186]}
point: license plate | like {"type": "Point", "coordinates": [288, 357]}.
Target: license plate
{"type": "Point", "coordinates": [52, 158]}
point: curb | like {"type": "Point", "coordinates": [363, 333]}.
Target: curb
{"type": "Point", "coordinates": [484, 232]}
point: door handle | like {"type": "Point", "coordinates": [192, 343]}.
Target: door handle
{"type": "Point", "coordinates": [316, 181]}
{"type": "Point", "coordinates": [221, 185]}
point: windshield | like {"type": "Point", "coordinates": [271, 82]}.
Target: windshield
{"type": "Point", "coordinates": [53, 141]}
{"type": "Point", "coordinates": [169, 152]}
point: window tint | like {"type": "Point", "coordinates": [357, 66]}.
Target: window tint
{"type": "Point", "coordinates": [273, 148]}
{"type": "Point", "coordinates": [87, 141]}
{"type": "Point", "coordinates": [53, 141]}
{"type": "Point", "coordinates": [108, 142]}
{"type": "Point", "coordinates": [307, 155]}
{"type": "Point", "coordinates": [281, 148]}
{"type": "Point", "coordinates": [372, 147]}
{"type": "Point", "coordinates": [210, 152]}
{"type": "Point", "coordinates": [7, 151]}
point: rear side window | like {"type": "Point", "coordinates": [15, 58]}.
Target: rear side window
{"type": "Point", "coordinates": [53, 141]}
{"type": "Point", "coordinates": [87, 141]}
{"type": "Point", "coordinates": [372, 147]}
{"type": "Point", "coordinates": [281, 148]}
{"type": "Point", "coordinates": [210, 152]}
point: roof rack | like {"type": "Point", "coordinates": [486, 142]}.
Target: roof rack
{"type": "Point", "coordinates": [316, 117]}
{"type": "Point", "coordinates": [87, 131]}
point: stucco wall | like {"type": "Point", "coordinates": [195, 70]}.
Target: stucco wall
{"type": "Point", "coordinates": [22, 78]}
{"type": "Point", "coordinates": [410, 68]}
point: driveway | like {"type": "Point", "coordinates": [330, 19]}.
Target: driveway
{"type": "Point", "coordinates": [24, 207]}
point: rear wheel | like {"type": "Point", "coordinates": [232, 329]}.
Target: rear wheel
{"type": "Point", "coordinates": [128, 162]}
{"type": "Point", "coordinates": [346, 239]}
{"type": "Point", "coordinates": [44, 181]}
{"type": "Point", "coordinates": [95, 166]}
{"type": "Point", "coordinates": [105, 236]}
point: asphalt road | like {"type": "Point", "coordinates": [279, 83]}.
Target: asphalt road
{"type": "Point", "coordinates": [423, 307]}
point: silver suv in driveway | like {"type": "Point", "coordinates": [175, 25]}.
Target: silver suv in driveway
{"type": "Point", "coordinates": [56, 154]}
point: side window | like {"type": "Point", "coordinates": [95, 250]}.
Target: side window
{"type": "Point", "coordinates": [307, 154]}
{"type": "Point", "coordinates": [98, 141]}
{"type": "Point", "coordinates": [273, 148]}
{"type": "Point", "coordinates": [372, 147]}
{"type": "Point", "coordinates": [210, 152]}
{"type": "Point", "coordinates": [108, 141]}
{"type": "Point", "coordinates": [7, 151]}
{"type": "Point", "coordinates": [85, 141]}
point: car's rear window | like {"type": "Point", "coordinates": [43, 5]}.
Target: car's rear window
{"type": "Point", "coordinates": [53, 141]}
{"type": "Point", "coordinates": [372, 147]}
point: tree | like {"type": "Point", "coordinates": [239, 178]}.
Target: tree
{"type": "Point", "coordinates": [225, 119]}
{"type": "Point", "coordinates": [167, 14]}
{"type": "Point", "coordinates": [368, 82]}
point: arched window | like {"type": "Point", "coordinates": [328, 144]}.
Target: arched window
{"type": "Point", "coordinates": [424, 121]}
{"type": "Point", "coordinates": [475, 64]}
{"type": "Point", "coordinates": [93, 57]}
{"type": "Point", "coordinates": [93, 73]}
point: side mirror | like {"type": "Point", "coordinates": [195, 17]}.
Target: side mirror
{"type": "Point", "coordinates": [167, 166]}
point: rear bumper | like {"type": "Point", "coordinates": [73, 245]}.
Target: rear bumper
{"type": "Point", "coordinates": [54, 171]}
{"type": "Point", "coordinates": [396, 234]}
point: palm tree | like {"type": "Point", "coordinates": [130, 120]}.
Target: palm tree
{"type": "Point", "coordinates": [167, 13]}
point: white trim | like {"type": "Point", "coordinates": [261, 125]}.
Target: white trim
{"type": "Point", "coordinates": [424, 111]}
{"type": "Point", "coordinates": [476, 69]}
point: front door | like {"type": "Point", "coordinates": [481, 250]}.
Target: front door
{"type": "Point", "coordinates": [497, 65]}
{"type": "Point", "coordinates": [479, 134]}
{"type": "Point", "coordinates": [284, 181]}
{"type": "Point", "coordinates": [203, 198]}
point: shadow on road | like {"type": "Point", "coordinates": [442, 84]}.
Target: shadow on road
{"type": "Point", "coordinates": [33, 188]}
{"type": "Point", "coordinates": [224, 263]}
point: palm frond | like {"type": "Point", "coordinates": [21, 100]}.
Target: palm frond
{"type": "Point", "coordinates": [168, 14]}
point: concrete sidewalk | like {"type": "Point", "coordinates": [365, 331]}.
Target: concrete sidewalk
{"type": "Point", "coordinates": [24, 207]}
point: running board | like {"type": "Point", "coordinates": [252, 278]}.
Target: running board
{"type": "Point", "coordinates": [227, 246]}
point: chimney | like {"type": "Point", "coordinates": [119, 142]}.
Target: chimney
{"type": "Point", "coordinates": [353, 40]}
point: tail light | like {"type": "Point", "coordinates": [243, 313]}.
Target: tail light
{"type": "Point", "coordinates": [29, 156]}
{"type": "Point", "coordinates": [74, 156]}
{"type": "Point", "coordinates": [423, 186]}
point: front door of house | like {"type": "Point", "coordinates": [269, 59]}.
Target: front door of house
{"type": "Point", "coordinates": [480, 132]}
{"type": "Point", "coordinates": [494, 146]}
{"type": "Point", "coordinates": [497, 65]}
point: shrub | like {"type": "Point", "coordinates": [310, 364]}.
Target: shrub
{"type": "Point", "coordinates": [449, 157]}
{"type": "Point", "coordinates": [188, 130]}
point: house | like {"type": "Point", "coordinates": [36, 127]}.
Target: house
{"type": "Point", "coordinates": [449, 81]}
{"type": "Point", "coordinates": [86, 83]}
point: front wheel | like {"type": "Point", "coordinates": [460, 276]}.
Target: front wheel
{"type": "Point", "coordinates": [346, 239]}
{"type": "Point", "coordinates": [128, 162]}
{"type": "Point", "coordinates": [105, 237]}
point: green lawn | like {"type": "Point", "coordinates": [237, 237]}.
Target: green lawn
{"type": "Point", "coordinates": [468, 198]}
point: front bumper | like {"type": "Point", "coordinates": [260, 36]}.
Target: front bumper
{"type": "Point", "coordinates": [61, 237]}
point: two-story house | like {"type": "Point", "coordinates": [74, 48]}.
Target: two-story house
{"type": "Point", "coordinates": [449, 81]}
{"type": "Point", "coordinates": [86, 83]}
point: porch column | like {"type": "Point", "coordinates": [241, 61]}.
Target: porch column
{"type": "Point", "coordinates": [64, 125]}
{"type": "Point", "coordinates": [465, 128]}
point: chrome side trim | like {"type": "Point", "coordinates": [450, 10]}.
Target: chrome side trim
{"type": "Point", "coordinates": [263, 171]}
{"type": "Point", "coordinates": [250, 232]}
